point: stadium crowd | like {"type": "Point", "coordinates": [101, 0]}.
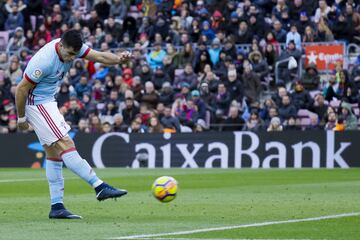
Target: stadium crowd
{"type": "Point", "coordinates": [187, 73]}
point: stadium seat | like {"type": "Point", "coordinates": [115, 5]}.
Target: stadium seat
{"type": "Point", "coordinates": [4, 38]}
{"type": "Point", "coordinates": [314, 93]}
{"type": "Point", "coordinates": [335, 103]}
{"type": "Point", "coordinates": [356, 111]}
{"type": "Point", "coordinates": [303, 113]}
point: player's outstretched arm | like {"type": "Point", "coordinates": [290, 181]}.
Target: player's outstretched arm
{"type": "Point", "coordinates": [22, 91]}
{"type": "Point", "coordinates": [107, 57]}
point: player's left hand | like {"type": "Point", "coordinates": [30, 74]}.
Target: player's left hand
{"type": "Point", "coordinates": [23, 126]}
{"type": "Point", "coordinates": [125, 56]}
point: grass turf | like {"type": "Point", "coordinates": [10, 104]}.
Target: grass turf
{"type": "Point", "coordinates": [207, 198]}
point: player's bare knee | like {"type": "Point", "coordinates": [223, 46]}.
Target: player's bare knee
{"type": "Point", "coordinates": [51, 153]}
{"type": "Point", "coordinates": [64, 144]}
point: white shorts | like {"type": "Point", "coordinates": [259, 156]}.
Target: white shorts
{"type": "Point", "coordinates": [47, 121]}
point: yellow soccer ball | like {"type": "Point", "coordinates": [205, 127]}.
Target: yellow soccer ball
{"type": "Point", "coordinates": [165, 188]}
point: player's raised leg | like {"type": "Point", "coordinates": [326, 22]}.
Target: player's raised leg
{"type": "Point", "coordinates": [55, 179]}
{"type": "Point", "coordinates": [80, 167]}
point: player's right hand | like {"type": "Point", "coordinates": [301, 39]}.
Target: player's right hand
{"type": "Point", "coordinates": [23, 126]}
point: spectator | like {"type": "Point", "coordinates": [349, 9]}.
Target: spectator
{"type": "Point", "coordinates": [314, 123]}
{"type": "Point", "coordinates": [251, 83]}
{"type": "Point", "coordinates": [118, 10]}
{"type": "Point", "coordinates": [136, 127]}
{"type": "Point", "coordinates": [64, 95]}
{"type": "Point", "coordinates": [159, 78]}
{"type": "Point", "coordinates": [170, 122]}
{"type": "Point", "coordinates": [290, 124]}
{"type": "Point", "coordinates": [4, 62]}
{"type": "Point", "coordinates": [234, 122]}
{"type": "Point", "coordinates": [186, 56]}
{"type": "Point", "coordinates": [15, 18]}
{"type": "Point", "coordinates": [275, 125]}
{"type": "Point", "coordinates": [214, 51]}
{"type": "Point", "coordinates": [287, 108]}
{"type": "Point", "coordinates": [106, 127]}
{"type": "Point", "coordinates": [322, 11]}
{"type": "Point", "coordinates": [130, 111]}
{"type": "Point", "coordinates": [166, 94]}
{"type": "Point", "coordinates": [234, 86]}
{"type": "Point", "coordinates": [119, 125]}
{"type": "Point", "coordinates": [260, 66]}
{"type": "Point", "coordinates": [17, 41]}
{"type": "Point", "coordinates": [311, 78]}
{"type": "Point", "coordinates": [293, 35]}
{"type": "Point", "coordinates": [279, 8]}
{"type": "Point", "coordinates": [349, 117]}
{"type": "Point", "coordinates": [74, 113]}
{"type": "Point", "coordinates": [324, 33]}
{"type": "Point", "coordinates": [301, 98]}
{"type": "Point", "coordinates": [14, 72]}
{"type": "Point", "coordinates": [331, 121]}
{"type": "Point", "coordinates": [343, 29]}
{"type": "Point", "coordinates": [188, 114]}
{"type": "Point", "coordinates": [150, 97]}
{"type": "Point", "coordinates": [254, 123]}
{"type": "Point", "coordinates": [155, 126]}
{"type": "Point", "coordinates": [320, 108]}
{"type": "Point", "coordinates": [354, 17]}
{"type": "Point", "coordinates": [155, 57]}
{"type": "Point", "coordinates": [200, 105]}
{"type": "Point", "coordinates": [280, 33]}
{"type": "Point", "coordinates": [244, 34]}
{"type": "Point", "coordinates": [188, 76]}
{"type": "Point", "coordinates": [82, 87]}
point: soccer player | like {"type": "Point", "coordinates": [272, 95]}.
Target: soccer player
{"type": "Point", "coordinates": [36, 105]}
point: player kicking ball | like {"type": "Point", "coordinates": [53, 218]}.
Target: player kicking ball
{"type": "Point", "coordinates": [36, 105]}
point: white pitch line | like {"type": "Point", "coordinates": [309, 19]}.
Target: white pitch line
{"type": "Point", "coordinates": [29, 180]}
{"type": "Point", "coordinates": [223, 239]}
{"type": "Point", "coordinates": [261, 224]}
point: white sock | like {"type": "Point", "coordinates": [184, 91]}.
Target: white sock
{"type": "Point", "coordinates": [80, 167]}
{"type": "Point", "coordinates": [55, 180]}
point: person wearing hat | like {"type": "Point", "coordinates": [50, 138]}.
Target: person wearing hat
{"type": "Point", "coordinates": [159, 77]}
{"type": "Point", "coordinates": [17, 41]}
{"type": "Point", "coordinates": [310, 79]}
{"type": "Point", "coordinates": [301, 97]}
{"type": "Point", "coordinates": [275, 125]}
{"type": "Point", "coordinates": [201, 107]}
{"type": "Point", "coordinates": [214, 51]}
{"type": "Point", "coordinates": [207, 30]}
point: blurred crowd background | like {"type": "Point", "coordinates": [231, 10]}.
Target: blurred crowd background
{"type": "Point", "coordinates": [197, 66]}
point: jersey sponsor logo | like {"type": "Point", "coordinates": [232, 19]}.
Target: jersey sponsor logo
{"type": "Point", "coordinates": [36, 74]}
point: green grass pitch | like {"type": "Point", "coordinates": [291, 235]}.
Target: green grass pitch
{"type": "Point", "coordinates": [207, 198]}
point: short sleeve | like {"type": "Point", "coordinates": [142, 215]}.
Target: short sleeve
{"type": "Point", "coordinates": [35, 71]}
{"type": "Point", "coordinates": [84, 51]}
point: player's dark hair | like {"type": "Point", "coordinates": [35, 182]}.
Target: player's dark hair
{"type": "Point", "coordinates": [72, 39]}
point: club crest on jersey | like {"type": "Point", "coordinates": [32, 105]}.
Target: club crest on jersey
{"type": "Point", "coordinates": [36, 74]}
{"type": "Point", "coordinates": [60, 75]}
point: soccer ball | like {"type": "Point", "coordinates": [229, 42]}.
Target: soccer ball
{"type": "Point", "coordinates": [164, 189]}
